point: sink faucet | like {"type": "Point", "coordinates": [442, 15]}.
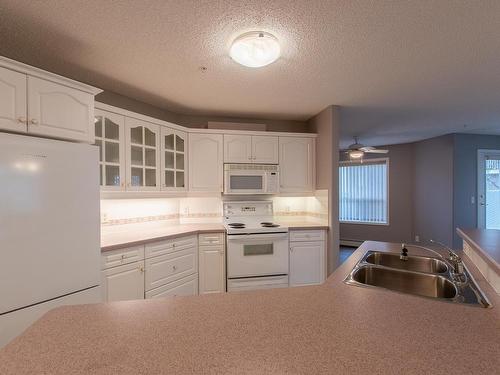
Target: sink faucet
{"type": "Point", "coordinates": [454, 259]}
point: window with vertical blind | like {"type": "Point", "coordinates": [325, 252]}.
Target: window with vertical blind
{"type": "Point", "coordinates": [363, 192]}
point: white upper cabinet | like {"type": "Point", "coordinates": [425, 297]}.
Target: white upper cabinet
{"type": "Point", "coordinates": [205, 162]}
{"type": "Point", "coordinates": [297, 157]}
{"type": "Point", "coordinates": [142, 142]}
{"type": "Point", "coordinates": [13, 101]}
{"type": "Point", "coordinates": [237, 148]}
{"type": "Point", "coordinates": [110, 137]}
{"type": "Point", "coordinates": [265, 149]}
{"type": "Point", "coordinates": [60, 112]}
{"type": "Point", "coordinates": [173, 159]}
{"type": "Point", "coordinates": [250, 149]}
{"type": "Point", "coordinates": [55, 107]}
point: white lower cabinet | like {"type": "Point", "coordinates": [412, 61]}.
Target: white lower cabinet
{"type": "Point", "coordinates": [307, 258]}
{"type": "Point", "coordinates": [175, 271]}
{"type": "Point", "coordinates": [157, 269]}
{"type": "Point", "coordinates": [123, 282]}
{"type": "Point", "coordinates": [170, 267]}
{"type": "Point", "coordinates": [187, 286]}
{"type": "Point", "coordinates": [212, 263]}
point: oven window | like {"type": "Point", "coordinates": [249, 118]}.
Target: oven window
{"type": "Point", "coordinates": [246, 182]}
{"type": "Point", "coordinates": [264, 249]}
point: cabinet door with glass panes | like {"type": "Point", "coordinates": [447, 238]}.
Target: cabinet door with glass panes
{"type": "Point", "coordinates": [110, 137]}
{"type": "Point", "coordinates": [142, 140]}
{"type": "Point", "coordinates": [173, 159]}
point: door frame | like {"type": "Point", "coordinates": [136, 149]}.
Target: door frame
{"type": "Point", "coordinates": [481, 185]}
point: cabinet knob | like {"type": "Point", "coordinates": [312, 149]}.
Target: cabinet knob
{"type": "Point", "coordinates": [34, 121]}
{"type": "Point", "coordinates": [174, 268]}
{"type": "Point", "coordinates": [22, 120]}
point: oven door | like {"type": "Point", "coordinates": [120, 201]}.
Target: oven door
{"type": "Point", "coordinates": [262, 254]}
{"type": "Point", "coordinates": [245, 182]}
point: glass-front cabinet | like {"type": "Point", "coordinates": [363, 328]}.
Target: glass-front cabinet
{"type": "Point", "coordinates": [173, 159]}
{"type": "Point", "coordinates": [110, 137]}
{"type": "Point", "coordinates": [142, 146]}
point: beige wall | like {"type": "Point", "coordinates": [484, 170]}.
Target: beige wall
{"type": "Point", "coordinates": [195, 121]}
{"type": "Point", "coordinates": [326, 124]}
{"type": "Point", "coordinates": [401, 191]}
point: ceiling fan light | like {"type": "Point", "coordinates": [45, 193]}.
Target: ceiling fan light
{"type": "Point", "coordinates": [255, 49]}
{"type": "Point", "coordinates": [356, 154]}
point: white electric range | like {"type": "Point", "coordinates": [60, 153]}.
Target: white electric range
{"type": "Point", "coordinates": [257, 248]}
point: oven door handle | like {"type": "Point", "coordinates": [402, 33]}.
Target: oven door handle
{"type": "Point", "coordinates": [263, 236]}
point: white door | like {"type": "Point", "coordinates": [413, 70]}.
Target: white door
{"type": "Point", "coordinates": [265, 149]}
{"type": "Point", "coordinates": [211, 271]}
{"type": "Point", "coordinates": [296, 164]}
{"type": "Point", "coordinates": [142, 155]}
{"type": "Point", "coordinates": [488, 189]}
{"type": "Point", "coordinates": [173, 159]}
{"type": "Point", "coordinates": [205, 162]}
{"type": "Point", "coordinates": [13, 109]}
{"type": "Point", "coordinates": [110, 137]}
{"type": "Point", "coordinates": [123, 282]}
{"type": "Point", "coordinates": [59, 111]}
{"type": "Point", "coordinates": [307, 263]}
{"type": "Point", "coordinates": [237, 149]}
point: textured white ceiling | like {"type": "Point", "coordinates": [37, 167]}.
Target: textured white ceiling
{"type": "Point", "coordinates": [400, 70]}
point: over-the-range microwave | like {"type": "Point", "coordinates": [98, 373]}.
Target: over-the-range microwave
{"type": "Point", "coordinates": [251, 179]}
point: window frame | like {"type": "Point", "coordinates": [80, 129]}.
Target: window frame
{"type": "Point", "coordinates": [369, 161]}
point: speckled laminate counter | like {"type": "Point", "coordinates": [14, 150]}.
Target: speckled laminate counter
{"type": "Point", "coordinates": [486, 242]}
{"type": "Point", "coordinates": [329, 329]}
{"type": "Point", "coordinates": [119, 236]}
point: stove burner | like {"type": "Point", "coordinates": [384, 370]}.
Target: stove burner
{"type": "Point", "coordinates": [236, 225]}
{"type": "Point", "coordinates": [269, 225]}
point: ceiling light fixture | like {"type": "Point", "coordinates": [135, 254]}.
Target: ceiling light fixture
{"type": "Point", "coordinates": [255, 49]}
{"type": "Point", "coordinates": [356, 154]}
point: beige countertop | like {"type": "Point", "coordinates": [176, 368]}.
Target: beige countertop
{"type": "Point", "coordinates": [119, 236]}
{"type": "Point", "coordinates": [486, 242]}
{"type": "Point", "coordinates": [329, 329]}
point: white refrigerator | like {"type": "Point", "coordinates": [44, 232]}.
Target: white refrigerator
{"type": "Point", "coordinates": [49, 228]}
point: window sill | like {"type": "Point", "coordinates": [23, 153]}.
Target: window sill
{"type": "Point", "coordinates": [363, 223]}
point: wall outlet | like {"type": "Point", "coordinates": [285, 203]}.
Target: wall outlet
{"type": "Point", "coordinates": [417, 238]}
{"type": "Point", "coordinates": [287, 209]}
{"type": "Point", "coordinates": [104, 218]}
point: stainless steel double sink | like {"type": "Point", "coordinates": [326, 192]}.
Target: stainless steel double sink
{"type": "Point", "coordinates": [418, 275]}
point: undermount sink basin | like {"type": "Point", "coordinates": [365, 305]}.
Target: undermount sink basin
{"type": "Point", "coordinates": [414, 263]}
{"type": "Point", "coordinates": [421, 284]}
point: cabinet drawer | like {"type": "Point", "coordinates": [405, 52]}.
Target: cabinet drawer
{"type": "Point", "coordinates": [307, 235]}
{"type": "Point", "coordinates": [210, 239]}
{"type": "Point", "coordinates": [122, 256]}
{"type": "Point", "coordinates": [187, 286]}
{"type": "Point", "coordinates": [169, 246]}
{"type": "Point", "coordinates": [166, 268]}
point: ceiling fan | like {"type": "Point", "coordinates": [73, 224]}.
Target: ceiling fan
{"type": "Point", "coordinates": [357, 150]}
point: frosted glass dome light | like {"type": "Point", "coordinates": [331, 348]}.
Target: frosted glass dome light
{"type": "Point", "coordinates": [255, 49]}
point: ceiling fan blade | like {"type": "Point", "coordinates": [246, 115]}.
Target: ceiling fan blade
{"type": "Point", "coordinates": [376, 151]}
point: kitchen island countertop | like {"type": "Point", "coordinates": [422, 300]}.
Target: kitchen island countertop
{"type": "Point", "coordinates": [333, 328]}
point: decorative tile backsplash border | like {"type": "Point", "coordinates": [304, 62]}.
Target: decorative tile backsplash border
{"type": "Point", "coordinates": [135, 220]}
{"type": "Point", "coordinates": [318, 215]}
